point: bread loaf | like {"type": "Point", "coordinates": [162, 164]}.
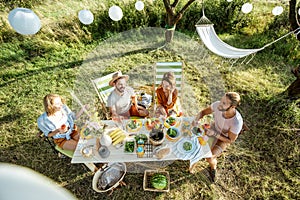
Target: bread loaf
{"type": "Point", "coordinates": [161, 153]}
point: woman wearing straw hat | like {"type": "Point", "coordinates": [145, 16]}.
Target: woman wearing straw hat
{"type": "Point", "coordinates": [122, 101]}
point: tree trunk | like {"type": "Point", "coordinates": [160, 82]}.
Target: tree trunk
{"type": "Point", "coordinates": [169, 34]}
{"type": "Point", "coordinates": [293, 16]}
{"type": "Point", "coordinates": [294, 89]}
{"type": "Point", "coordinates": [173, 17]}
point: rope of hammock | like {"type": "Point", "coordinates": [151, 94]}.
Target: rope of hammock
{"type": "Point", "coordinates": [211, 40]}
{"type": "Point", "coordinates": [294, 31]}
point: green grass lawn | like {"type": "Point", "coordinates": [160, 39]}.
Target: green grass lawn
{"type": "Point", "coordinates": [262, 164]}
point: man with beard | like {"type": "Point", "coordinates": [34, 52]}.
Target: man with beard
{"type": "Point", "coordinates": [226, 127]}
{"type": "Point", "coordinates": [122, 101]}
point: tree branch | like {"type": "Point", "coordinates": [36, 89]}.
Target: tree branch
{"type": "Point", "coordinates": [186, 6]}
{"type": "Point", "coordinates": [181, 12]}
{"type": "Point", "coordinates": [293, 16]}
{"type": "Point", "coordinates": [168, 8]}
{"type": "Point", "coordinates": [175, 3]}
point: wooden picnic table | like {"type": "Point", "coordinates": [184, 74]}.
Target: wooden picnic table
{"type": "Point", "coordinates": [117, 154]}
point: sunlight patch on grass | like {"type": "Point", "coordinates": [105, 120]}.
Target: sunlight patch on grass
{"type": "Point", "coordinates": [257, 81]}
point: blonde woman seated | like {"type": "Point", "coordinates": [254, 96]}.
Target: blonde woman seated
{"type": "Point", "coordinates": [166, 96]}
{"type": "Point", "coordinates": [58, 122]}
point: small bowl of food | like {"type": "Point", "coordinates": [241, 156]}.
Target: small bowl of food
{"type": "Point", "coordinates": [156, 137]}
{"type": "Point", "coordinates": [87, 151]}
{"type": "Point", "coordinates": [172, 122]}
{"type": "Point", "coordinates": [173, 134]}
{"type": "Point", "coordinates": [198, 131]}
{"type": "Point", "coordinates": [129, 145]}
{"type": "Point", "coordinates": [134, 125]}
{"type": "Point", "coordinates": [152, 123]}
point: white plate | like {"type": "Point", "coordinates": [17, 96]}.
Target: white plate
{"type": "Point", "coordinates": [182, 150]}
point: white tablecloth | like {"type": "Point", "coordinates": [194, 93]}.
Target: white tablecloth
{"type": "Point", "coordinates": [118, 154]}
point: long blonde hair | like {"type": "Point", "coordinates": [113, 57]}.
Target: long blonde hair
{"type": "Point", "coordinates": [170, 78]}
{"type": "Point", "coordinates": [48, 103]}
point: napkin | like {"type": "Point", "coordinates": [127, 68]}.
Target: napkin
{"type": "Point", "coordinates": [193, 156]}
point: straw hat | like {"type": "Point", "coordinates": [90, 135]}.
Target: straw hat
{"type": "Point", "coordinates": [116, 76]}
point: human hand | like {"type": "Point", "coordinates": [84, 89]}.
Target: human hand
{"type": "Point", "coordinates": [134, 99]}
{"type": "Point", "coordinates": [171, 90]}
{"type": "Point", "coordinates": [195, 122]}
{"type": "Point", "coordinates": [63, 129]}
{"type": "Point", "coordinates": [117, 118]}
{"type": "Point", "coordinates": [209, 132]}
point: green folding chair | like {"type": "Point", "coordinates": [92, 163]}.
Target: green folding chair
{"type": "Point", "coordinates": [103, 89]}
{"type": "Point", "coordinates": [175, 67]}
{"type": "Point", "coordinates": [61, 152]}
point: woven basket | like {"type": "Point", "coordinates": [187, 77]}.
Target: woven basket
{"type": "Point", "coordinates": [98, 174]}
{"type": "Point", "coordinates": [147, 180]}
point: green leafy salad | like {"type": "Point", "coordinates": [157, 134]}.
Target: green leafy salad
{"type": "Point", "coordinates": [133, 124]}
{"type": "Point", "coordinates": [187, 146]}
{"type": "Point", "coordinates": [129, 146]}
{"type": "Point", "coordinates": [172, 132]}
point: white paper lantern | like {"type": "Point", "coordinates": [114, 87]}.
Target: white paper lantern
{"type": "Point", "coordinates": [29, 184]}
{"type": "Point", "coordinates": [86, 17]}
{"type": "Point", "coordinates": [277, 10]}
{"type": "Point", "coordinates": [247, 7]}
{"type": "Point", "coordinates": [139, 5]}
{"type": "Point", "coordinates": [24, 21]}
{"type": "Point", "coordinates": [115, 13]}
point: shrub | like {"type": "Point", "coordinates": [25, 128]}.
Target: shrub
{"type": "Point", "coordinates": [20, 3]}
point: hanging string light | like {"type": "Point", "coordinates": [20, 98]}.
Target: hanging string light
{"type": "Point", "coordinates": [86, 17]}
{"type": "Point", "coordinates": [139, 5]}
{"type": "Point", "coordinates": [24, 21]}
{"type": "Point", "coordinates": [247, 8]}
{"type": "Point", "coordinates": [277, 10]}
{"type": "Point", "coordinates": [115, 13]}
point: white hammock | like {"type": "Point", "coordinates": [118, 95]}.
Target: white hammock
{"type": "Point", "coordinates": [216, 45]}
